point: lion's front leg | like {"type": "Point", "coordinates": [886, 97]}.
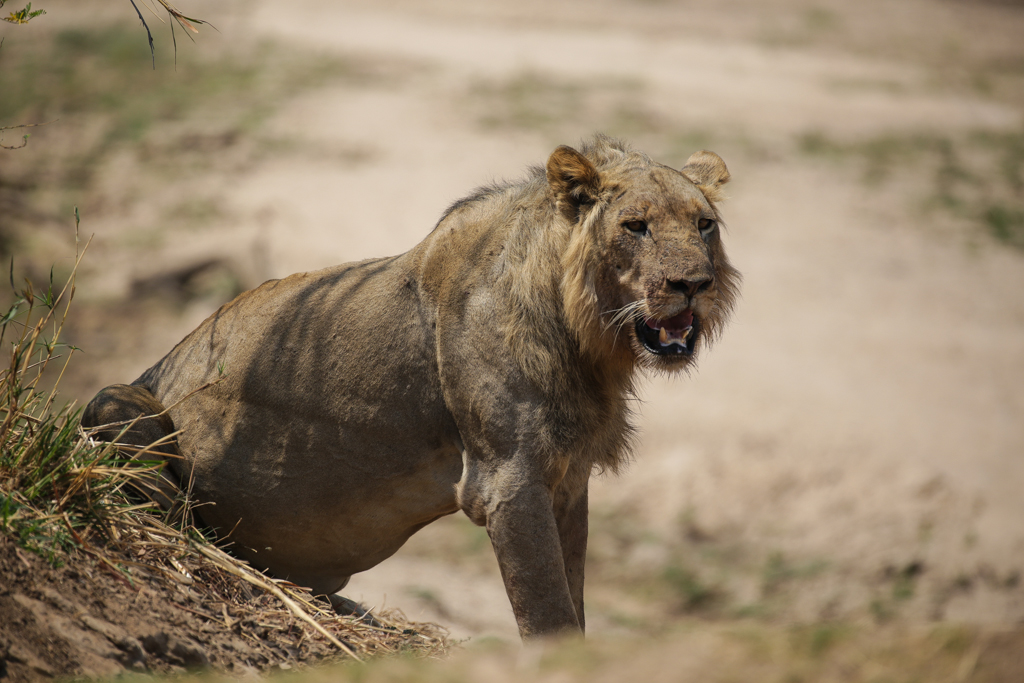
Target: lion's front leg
{"type": "Point", "coordinates": [570, 508]}
{"type": "Point", "coordinates": [528, 547]}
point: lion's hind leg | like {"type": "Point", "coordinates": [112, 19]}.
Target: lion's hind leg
{"type": "Point", "coordinates": [131, 416]}
{"type": "Point", "coordinates": [350, 608]}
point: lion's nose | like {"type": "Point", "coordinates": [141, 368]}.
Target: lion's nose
{"type": "Point", "coordinates": [690, 286]}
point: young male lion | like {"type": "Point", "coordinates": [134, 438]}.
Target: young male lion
{"type": "Point", "coordinates": [487, 370]}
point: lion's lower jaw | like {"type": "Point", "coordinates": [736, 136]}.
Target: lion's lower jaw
{"type": "Point", "coordinates": [655, 363]}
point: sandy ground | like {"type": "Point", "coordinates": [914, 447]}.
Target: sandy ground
{"type": "Point", "coordinates": [863, 412]}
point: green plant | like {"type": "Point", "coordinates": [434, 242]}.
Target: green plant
{"type": "Point", "coordinates": [22, 16]}
{"type": "Point", "coordinates": [56, 486]}
{"type": "Point", "coordinates": [693, 593]}
{"type": "Point", "coordinates": [817, 639]}
{"type": "Point", "coordinates": [1006, 224]}
{"type": "Point", "coordinates": [778, 571]}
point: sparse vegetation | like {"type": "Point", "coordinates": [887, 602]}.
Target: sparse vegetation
{"type": "Point", "coordinates": [22, 16]}
{"type": "Point", "coordinates": [97, 84]}
{"type": "Point", "coordinates": [779, 571]}
{"type": "Point", "coordinates": [53, 483]}
{"type": "Point", "coordinates": [537, 102]}
{"type": "Point", "coordinates": [727, 652]}
{"type": "Point", "coordinates": [1006, 224]}
{"type": "Point", "coordinates": [692, 592]}
{"type": "Point", "coordinates": [977, 178]}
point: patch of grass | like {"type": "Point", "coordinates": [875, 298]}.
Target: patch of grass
{"type": "Point", "coordinates": [630, 119]}
{"type": "Point", "coordinates": [953, 639]}
{"type": "Point", "coordinates": [754, 610]}
{"type": "Point", "coordinates": [902, 582]}
{"type": "Point", "coordinates": [817, 639]}
{"type": "Point", "coordinates": [692, 592]}
{"type": "Point", "coordinates": [681, 145]}
{"type": "Point", "coordinates": [562, 108]}
{"type": "Point", "coordinates": [808, 26]}
{"type": "Point", "coordinates": [721, 653]}
{"type": "Point", "coordinates": [820, 19]}
{"type": "Point", "coordinates": [881, 610]}
{"type": "Point", "coordinates": [107, 70]}
{"type": "Point", "coordinates": [529, 101]}
{"type": "Point", "coordinates": [883, 155]}
{"type": "Point", "coordinates": [779, 571]}
{"type": "Point", "coordinates": [818, 144]}
{"type": "Point", "coordinates": [60, 491]}
{"type": "Point", "coordinates": [977, 177]}
{"type": "Point", "coordinates": [905, 581]}
{"type": "Point", "coordinates": [98, 88]}
{"type": "Point", "coordinates": [1006, 224]}
{"type": "Point", "coordinates": [903, 588]}
{"type": "Point", "coordinates": [194, 212]}
{"type": "Point", "coordinates": [54, 484]}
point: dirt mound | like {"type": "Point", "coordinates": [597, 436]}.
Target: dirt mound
{"type": "Point", "coordinates": [87, 618]}
{"type": "Point", "coordinates": [79, 620]}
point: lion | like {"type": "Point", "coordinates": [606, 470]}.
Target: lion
{"type": "Point", "coordinates": [490, 369]}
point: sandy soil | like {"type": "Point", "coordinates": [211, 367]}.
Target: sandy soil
{"type": "Point", "coordinates": [863, 414]}
{"type": "Point", "coordinates": [82, 621]}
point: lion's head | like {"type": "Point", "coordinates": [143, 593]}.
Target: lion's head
{"type": "Point", "coordinates": [646, 278]}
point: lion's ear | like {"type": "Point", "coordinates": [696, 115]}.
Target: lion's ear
{"type": "Point", "coordinates": [708, 172]}
{"type": "Point", "coordinates": [573, 179]}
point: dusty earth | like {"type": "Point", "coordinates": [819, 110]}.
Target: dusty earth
{"type": "Point", "coordinates": [84, 619]}
{"type": "Point", "coordinates": [851, 451]}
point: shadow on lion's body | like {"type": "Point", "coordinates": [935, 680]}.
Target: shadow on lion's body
{"type": "Point", "coordinates": [484, 370]}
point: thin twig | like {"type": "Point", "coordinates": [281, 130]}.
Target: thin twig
{"type": "Point", "coordinates": [152, 50]}
{"type": "Point", "coordinates": [99, 556]}
{"type": "Point", "coordinates": [28, 125]}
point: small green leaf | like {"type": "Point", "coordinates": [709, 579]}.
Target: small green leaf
{"type": "Point", "coordinates": [23, 16]}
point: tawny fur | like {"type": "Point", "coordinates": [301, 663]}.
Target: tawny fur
{"type": "Point", "coordinates": [489, 369]}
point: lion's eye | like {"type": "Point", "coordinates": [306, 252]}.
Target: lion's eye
{"type": "Point", "coordinates": [706, 227]}
{"type": "Point", "coordinates": [636, 226]}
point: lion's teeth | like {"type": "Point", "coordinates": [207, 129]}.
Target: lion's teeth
{"type": "Point", "coordinates": [665, 337]}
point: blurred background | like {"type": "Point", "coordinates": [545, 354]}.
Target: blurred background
{"type": "Point", "coordinates": [848, 460]}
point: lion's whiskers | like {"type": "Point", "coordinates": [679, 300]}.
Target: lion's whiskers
{"type": "Point", "coordinates": [621, 316]}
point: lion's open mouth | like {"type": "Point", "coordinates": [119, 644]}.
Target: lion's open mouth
{"type": "Point", "coordinates": [669, 336]}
